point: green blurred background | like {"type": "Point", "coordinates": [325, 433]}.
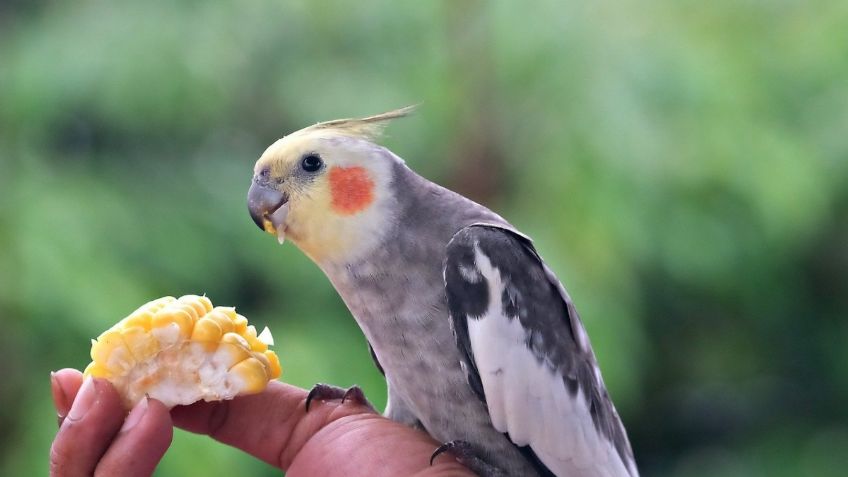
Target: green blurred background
{"type": "Point", "coordinates": [682, 165]}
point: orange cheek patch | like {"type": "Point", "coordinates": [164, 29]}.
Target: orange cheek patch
{"type": "Point", "coordinates": [351, 189]}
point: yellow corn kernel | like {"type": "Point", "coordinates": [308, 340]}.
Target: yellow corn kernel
{"type": "Point", "coordinates": [235, 339]}
{"type": "Point", "coordinates": [206, 302]}
{"type": "Point", "coordinates": [207, 331]}
{"type": "Point", "coordinates": [190, 310]}
{"type": "Point", "coordinates": [239, 323]}
{"type": "Point", "coordinates": [176, 316]}
{"type": "Point", "coordinates": [140, 343]}
{"type": "Point", "coordinates": [262, 359]}
{"type": "Point", "coordinates": [224, 321]}
{"type": "Point", "coordinates": [158, 304]}
{"type": "Point", "coordinates": [255, 343]}
{"type": "Point", "coordinates": [141, 318]}
{"type": "Point", "coordinates": [229, 311]}
{"type": "Point", "coordinates": [228, 355]}
{"type": "Point", "coordinates": [96, 370]}
{"type": "Point", "coordinates": [253, 373]}
{"type": "Point", "coordinates": [274, 361]}
{"type": "Point", "coordinates": [201, 304]}
{"type": "Point", "coordinates": [101, 348]}
{"type": "Point", "coordinates": [112, 353]}
{"type": "Point", "coordinates": [183, 350]}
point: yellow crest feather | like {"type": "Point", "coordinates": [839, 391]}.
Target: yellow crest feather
{"type": "Point", "coordinates": [370, 128]}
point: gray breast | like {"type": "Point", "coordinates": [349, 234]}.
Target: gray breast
{"type": "Point", "coordinates": [402, 311]}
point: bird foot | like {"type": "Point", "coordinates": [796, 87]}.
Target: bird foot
{"type": "Point", "coordinates": [328, 392]}
{"type": "Point", "coordinates": [469, 457]}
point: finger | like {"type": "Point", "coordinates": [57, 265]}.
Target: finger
{"type": "Point", "coordinates": [275, 427]}
{"type": "Point", "coordinates": [272, 425]}
{"type": "Point", "coordinates": [369, 444]}
{"type": "Point", "coordinates": [64, 385]}
{"type": "Point", "coordinates": [140, 444]}
{"type": "Point", "coordinates": [93, 420]}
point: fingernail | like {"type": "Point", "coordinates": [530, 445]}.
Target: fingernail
{"type": "Point", "coordinates": [60, 399]}
{"type": "Point", "coordinates": [87, 396]}
{"type": "Point", "coordinates": [134, 417]}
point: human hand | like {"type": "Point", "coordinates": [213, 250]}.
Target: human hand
{"type": "Point", "coordinates": [96, 437]}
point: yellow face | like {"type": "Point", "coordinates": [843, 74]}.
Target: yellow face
{"type": "Point", "coordinates": [328, 193]}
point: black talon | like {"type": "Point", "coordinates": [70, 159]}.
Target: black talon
{"type": "Point", "coordinates": [461, 448]}
{"type": "Point", "coordinates": [322, 392]}
{"type": "Point", "coordinates": [466, 455]}
{"type": "Point", "coordinates": [326, 392]}
{"type": "Point", "coordinates": [354, 392]}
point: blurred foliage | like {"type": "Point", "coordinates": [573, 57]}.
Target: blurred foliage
{"type": "Point", "coordinates": [681, 165]}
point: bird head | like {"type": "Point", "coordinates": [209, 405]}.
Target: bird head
{"type": "Point", "coordinates": [327, 188]}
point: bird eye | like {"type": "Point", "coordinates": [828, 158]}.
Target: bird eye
{"type": "Point", "coordinates": [265, 172]}
{"type": "Point", "coordinates": [311, 163]}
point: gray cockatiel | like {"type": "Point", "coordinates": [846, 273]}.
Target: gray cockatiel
{"type": "Point", "coordinates": [479, 342]}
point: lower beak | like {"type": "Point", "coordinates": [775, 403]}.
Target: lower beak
{"type": "Point", "coordinates": [268, 209]}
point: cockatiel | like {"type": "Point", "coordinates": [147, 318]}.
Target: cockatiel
{"type": "Point", "coordinates": [479, 342]}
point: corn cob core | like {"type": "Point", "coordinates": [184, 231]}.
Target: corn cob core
{"type": "Point", "coordinates": [182, 350]}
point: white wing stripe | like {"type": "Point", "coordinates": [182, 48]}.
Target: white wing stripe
{"type": "Point", "coordinates": [527, 399]}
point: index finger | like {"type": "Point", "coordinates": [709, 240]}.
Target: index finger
{"type": "Point", "coordinates": [331, 439]}
{"type": "Point", "coordinates": [264, 425]}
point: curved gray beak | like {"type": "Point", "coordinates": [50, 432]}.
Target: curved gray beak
{"type": "Point", "coordinates": [268, 208]}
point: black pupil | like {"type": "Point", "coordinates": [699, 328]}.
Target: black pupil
{"type": "Point", "coordinates": [311, 163]}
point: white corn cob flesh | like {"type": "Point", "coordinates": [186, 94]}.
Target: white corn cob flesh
{"type": "Point", "coordinates": [182, 350]}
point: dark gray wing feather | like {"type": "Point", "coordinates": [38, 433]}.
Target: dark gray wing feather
{"type": "Point", "coordinates": [497, 284]}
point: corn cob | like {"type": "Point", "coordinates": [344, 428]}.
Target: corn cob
{"type": "Point", "coordinates": [182, 350]}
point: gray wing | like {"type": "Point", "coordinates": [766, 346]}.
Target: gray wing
{"type": "Point", "coordinates": [527, 355]}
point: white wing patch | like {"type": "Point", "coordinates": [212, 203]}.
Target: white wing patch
{"type": "Point", "coordinates": [528, 400]}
